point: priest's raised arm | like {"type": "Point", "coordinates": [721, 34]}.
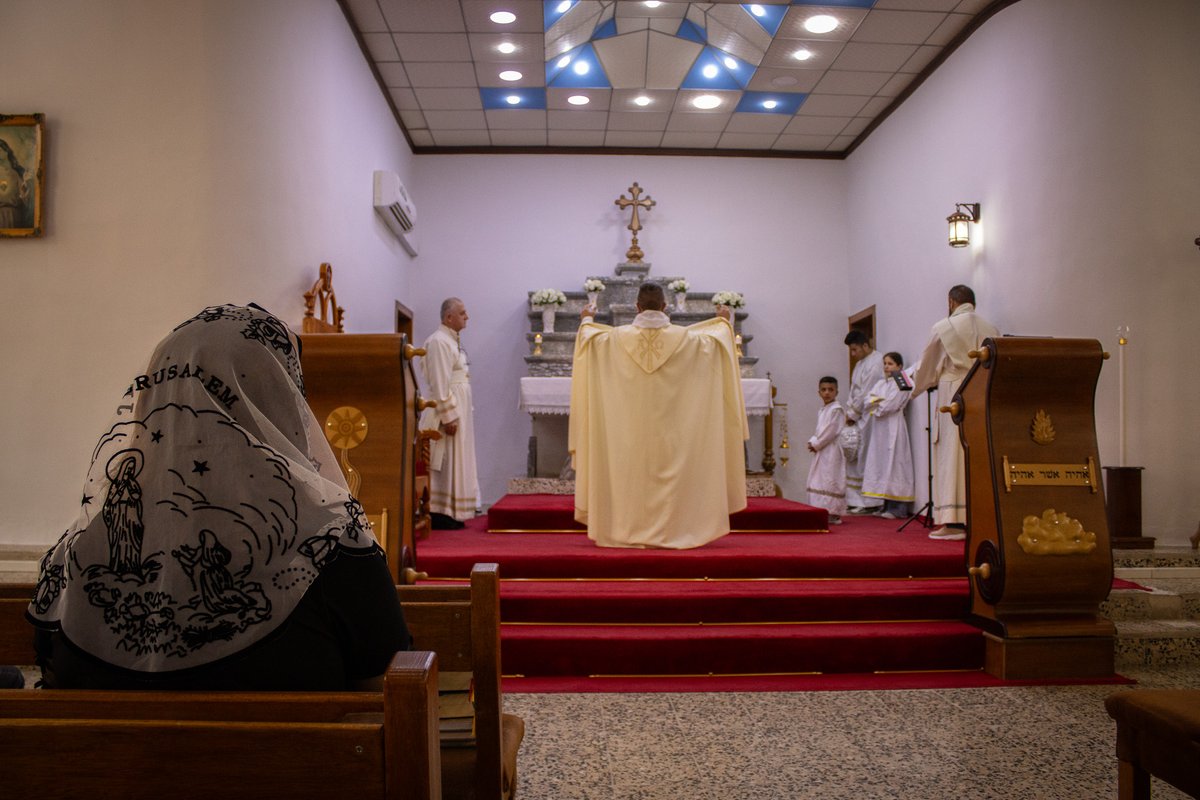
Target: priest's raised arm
{"type": "Point", "coordinates": [657, 429]}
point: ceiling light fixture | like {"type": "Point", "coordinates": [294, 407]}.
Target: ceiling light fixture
{"type": "Point", "coordinates": [510, 75]}
{"type": "Point", "coordinates": [579, 100]}
{"type": "Point", "coordinates": [641, 100]}
{"type": "Point", "coordinates": [563, 7]}
{"type": "Point", "coordinates": [513, 99]}
{"type": "Point", "coordinates": [709, 71]}
{"type": "Point", "coordinates": [803, 54]}
{"type": "Point", "coordinates": [581, 68]}
{"type": "Point", "coordinates": [506, 47]}
{"type": "Point", "coordinates": [770, 103]}
{"type": "Point", "coordinates": [562, 62]}
{"type": "Point", "coordinates": [730, 63]}
{"type": "Point", "coordinates": [707, 101]}
{"type": "Point", "coordinates": [503, 17]}
{"type": "Point", "coordinates": [821, 23]}
{"type": "Point", "coordinates": [960, 222]}
{"type": "Point", "coordinates": [757, 10]}
{"type": "Point", "coordinates": [653, 3]}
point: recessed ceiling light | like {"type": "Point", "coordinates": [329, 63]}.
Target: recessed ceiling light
{"type": "Point", "coordinates": [709, 71]}
{"type": "Point", "coordinates": [653, 3]}
{"type": "Point", "coordinates": [504, 17]}
{"type": "Point", "coordinates": [757, 10]}
{"type": "Point", "coordinates": [729, 62]}
{"type": "Point", "coordinates": [513, 99]}
{"type": "Point", "coordinates": [562, 62]}
{"type": "Point", "coordinates": [510, 75]}
{"type": "Point", "coordinates": [707, 101]}
{"type": "Point", "coordinates": [821, 23]}
{"type": "Point", "coordinates": [780, 81]}
{"type": "Point", "coordinates": [581, 68]}
{"type": "Point", "coordinates": [506, 47]}
{"type": "Point", "coordinates": [803, 54]}
{"type": "Point", "coordinates": [563, 6]}
{"type": "Point", "coordinates": [579, 100]}
{"type": "Point", "coordinates": [642, 100]}
{"type": "Point", "coordinates": [770, 103]}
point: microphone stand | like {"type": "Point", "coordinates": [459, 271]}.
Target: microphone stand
{"type": "Point", "coordinates": [926, 510]}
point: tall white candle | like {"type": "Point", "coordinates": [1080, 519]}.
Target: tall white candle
{"type": "Point", "coordinates": [1122, 340]}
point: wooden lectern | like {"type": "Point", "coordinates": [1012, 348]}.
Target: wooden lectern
{"type": "Point", "coordinates": [361, 387]}
{"type": "Point", "coordinates": [1038, 547]}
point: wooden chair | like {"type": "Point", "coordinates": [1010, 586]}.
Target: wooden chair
{"type": "Point", "coordinates": [322, 291]}
{"type": "Point", "coordinates": [1158, 733]}
{"type": "Point", "coordinates": [252, 745]}
{"type": "Point", "coordinates": [462, 625]}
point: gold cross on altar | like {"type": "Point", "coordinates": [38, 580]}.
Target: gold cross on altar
{"type": "Point", "coordinates": [634, 254]}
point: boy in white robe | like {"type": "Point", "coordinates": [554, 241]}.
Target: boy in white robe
{"type": "Point", "coordinates": [868, 364]}
{"type": "Point", "coordinates": [888, 472]}
{"type": "Point", "coordinates": [827, 473]}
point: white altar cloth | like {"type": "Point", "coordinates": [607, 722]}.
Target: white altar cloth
{"type": "Point", "coordinates": [553, 396]}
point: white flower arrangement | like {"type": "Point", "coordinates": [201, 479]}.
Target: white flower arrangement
{"type": "Point", "coordinates": [548, 297]}
{"type": "Point", "coordinates": [679, 285]}
{"type": "Point", "coordinates": [593, 285]}
{"type": "Point", "coordinates": [731, 299]}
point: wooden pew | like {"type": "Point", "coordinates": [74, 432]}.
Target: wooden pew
{"type": "Point", "coordinates": [252, 745]}
{"type": "Point", "coordinates": [460, 624]}
{"type": "Point", "coordinates": [16, 634]}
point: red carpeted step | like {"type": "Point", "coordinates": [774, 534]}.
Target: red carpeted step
{"type": "Point", "coordinates": [731, 601]}
{"type": "Point", "coordinates": [739, 649]}
{"type": "Point", "coordinates": [863, 547]}
{"type": "Point", "coordinates": [524, 513]}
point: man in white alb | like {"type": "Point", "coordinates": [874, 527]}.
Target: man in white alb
{"type": "Point", "coordinates": [945, 363]}
{"type": "Point", "coordinates": [453, 485]}
{"type": "Point", "coordinates": [657, 429]}
{"type": "Point", "coordinates": [868, 370]}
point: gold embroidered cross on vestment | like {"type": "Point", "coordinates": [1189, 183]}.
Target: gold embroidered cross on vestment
{"type": "Point", "coordinates": [649, 347]}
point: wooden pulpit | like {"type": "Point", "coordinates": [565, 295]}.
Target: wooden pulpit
{"type": "Point", "coordinates": [1038, 547]}
{"type": "Point", "coordinates": [362, 388]}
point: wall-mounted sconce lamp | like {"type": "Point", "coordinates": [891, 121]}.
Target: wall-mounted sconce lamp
{"type": "Point", "coordinates": [964, 214]}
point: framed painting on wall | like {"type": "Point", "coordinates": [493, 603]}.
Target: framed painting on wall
{"type": "Point", "coordinates": [22, 174]}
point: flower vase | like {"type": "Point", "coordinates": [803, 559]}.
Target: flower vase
{"type": "Point", "coordinates": [594, 299]}
{"type": "Point", "coordinates": [548, 319]}
{"type": "Point", "coordinates": [681, 301]}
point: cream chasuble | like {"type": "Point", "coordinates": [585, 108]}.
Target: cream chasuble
{"type": "Point", "coordinates": [656, 432]}
{"type": "Point", "coordinates": [945, 363]}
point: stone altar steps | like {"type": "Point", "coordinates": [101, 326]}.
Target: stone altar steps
{"type": "Point", "coordinates": [1160, 627]}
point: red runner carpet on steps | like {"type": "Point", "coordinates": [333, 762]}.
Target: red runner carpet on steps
{"type": "Point", "coordinates": [860, 606]}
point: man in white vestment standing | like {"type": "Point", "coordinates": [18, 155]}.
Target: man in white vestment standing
{"type": "Point", "coordinates": [945, 363]}
{"type": "Point", "coordinates": [657, 429]}
{"type": "Point", "coordinates": [453, 485]}
{"type": "Point", "coordinates": [868, 370]}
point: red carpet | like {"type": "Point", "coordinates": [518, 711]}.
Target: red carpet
{"type": "Point", "coordinates": [753, 611]}
{"type": "Point", "coordinates": [555, 513]}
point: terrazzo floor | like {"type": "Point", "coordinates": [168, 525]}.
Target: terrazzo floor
{"type": "Point", "coordinates": [984, 744]}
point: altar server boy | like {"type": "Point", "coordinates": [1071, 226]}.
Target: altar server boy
{"type": "Point", "coordinates": [888, 472]}
{"type": "Point", "coordinates": [827, 474]}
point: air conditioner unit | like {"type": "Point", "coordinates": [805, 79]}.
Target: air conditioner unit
{"type": "Point", "coordinates": [397, 208]}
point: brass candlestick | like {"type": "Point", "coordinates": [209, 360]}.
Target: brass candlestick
{"type": "Point", "coordinates": [537, 344]}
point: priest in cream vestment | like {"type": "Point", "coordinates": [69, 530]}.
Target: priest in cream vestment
{"type": "Point", "coordinates": [657, 429]}
{"type": "Point", "coordinates": [944, 364]}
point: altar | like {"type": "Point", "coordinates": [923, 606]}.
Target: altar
{"type": "Point", "coordinates": [548, 401]}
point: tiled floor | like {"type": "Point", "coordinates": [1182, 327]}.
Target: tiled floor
{"type": "Point", "coordinates": [1020, 742]}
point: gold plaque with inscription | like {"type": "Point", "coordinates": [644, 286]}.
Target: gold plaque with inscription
{"type": "Point", "coordinates": [1051, 475]}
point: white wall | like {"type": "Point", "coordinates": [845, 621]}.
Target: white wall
{"type": "Point", "coordinates": [495, 227]}
{"type": "Point", "coordinates": [198, 152]}
{"type": "Point", "coordinates": [1075, 123]}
